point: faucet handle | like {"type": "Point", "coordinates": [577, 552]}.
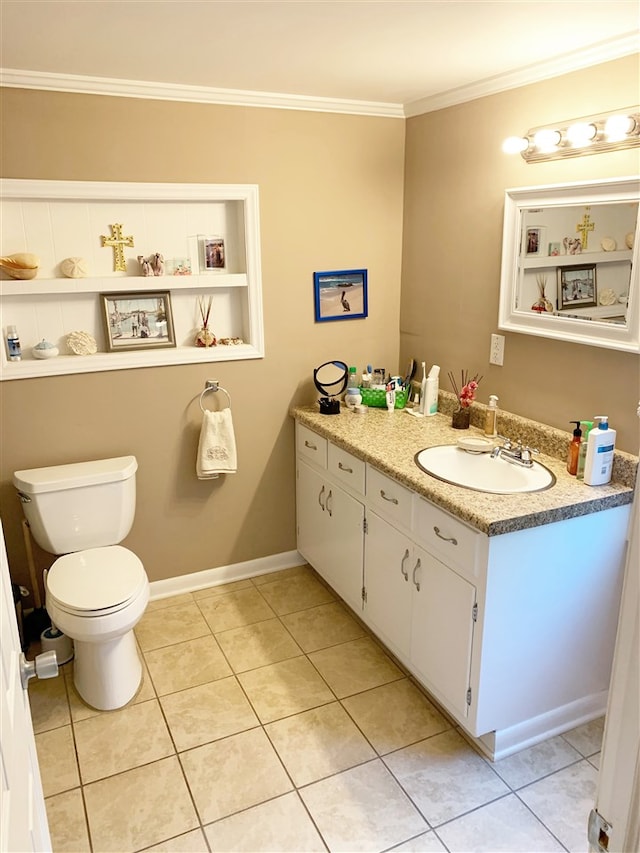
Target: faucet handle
{"type": "Point", "coordinates": [525, 453]}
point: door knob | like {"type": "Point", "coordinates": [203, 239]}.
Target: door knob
{"type": "Point", "coordinates": [44, 666]}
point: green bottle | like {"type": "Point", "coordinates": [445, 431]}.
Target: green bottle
{"type": "Point", "coordinates": [587, 426]}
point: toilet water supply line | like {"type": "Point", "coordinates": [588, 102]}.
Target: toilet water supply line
{"type": "Point", "coordinates": [53, 631]}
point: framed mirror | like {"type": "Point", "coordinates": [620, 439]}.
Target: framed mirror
{"type": "Point", "coordinates": [570, 263]}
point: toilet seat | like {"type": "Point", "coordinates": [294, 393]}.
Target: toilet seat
{"type": "Point", "coordinates": [96, 582]}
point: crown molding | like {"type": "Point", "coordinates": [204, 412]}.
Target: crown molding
{"type": "Point", "coordinates": [76, 84]}
{"type": "Point", "coordinates": [603, 52]}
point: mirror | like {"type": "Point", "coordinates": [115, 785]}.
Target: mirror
{"type": "Point", "coordinates": [569, 263]}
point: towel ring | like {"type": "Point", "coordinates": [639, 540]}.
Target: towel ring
{"type": "Point", "coordinates": [212, 385]}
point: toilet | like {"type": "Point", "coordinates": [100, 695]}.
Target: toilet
{"type": "Point", "coordinates": [96, 591]}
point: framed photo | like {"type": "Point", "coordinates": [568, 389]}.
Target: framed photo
{"type": "Point", "coordinates": [577, 287]}
{"type": "Point", "coordinates": [212, 254]}
{"type": "Point", "coordinates": [134, 321]}
{"type": "Point", "coordinates": [340, 295]}
{"type": "Point", "coordinates": [533, 241]}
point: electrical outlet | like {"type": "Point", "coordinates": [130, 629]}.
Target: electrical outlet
{"type": "Point", "coordinates": [496, 356]}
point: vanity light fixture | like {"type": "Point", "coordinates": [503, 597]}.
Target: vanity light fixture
{"type": "Point", "coordinates": [606, 132]}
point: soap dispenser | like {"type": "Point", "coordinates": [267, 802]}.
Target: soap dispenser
{"type": "Point", "coordinates": [574, 449]}
{"type": "Point", "coordinates": [491, 417]}
{"type": "Point", "coordinates": [598, 465]}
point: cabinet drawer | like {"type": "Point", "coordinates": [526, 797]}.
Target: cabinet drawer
{"type": "Point", "coordinates": [446, 537]}
{"type": "Point", "coordinates": [311, 446]}
{"type": "Point", "coordinates": [391, 499]}
{"type": "Point", "coordinates": [346, 468]}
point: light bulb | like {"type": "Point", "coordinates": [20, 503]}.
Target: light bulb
{"type": "Point", "coordinates": [547, 140]}
{"type": "Point", "coordinates": [515, 144]}
{"type": "Point", "coordinates": [618, 127]}
{"type": "Point", "coordinates": [581, 133]}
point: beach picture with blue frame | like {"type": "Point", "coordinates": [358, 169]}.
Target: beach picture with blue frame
{"type": "Point", "coordinates": [340, 295]}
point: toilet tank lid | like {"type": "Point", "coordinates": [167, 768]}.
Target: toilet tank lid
{"type": "Point", "coordinates": [72, 476]}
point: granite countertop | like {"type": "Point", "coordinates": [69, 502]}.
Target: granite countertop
{"type": "Point", "coordinates": [389, 441]}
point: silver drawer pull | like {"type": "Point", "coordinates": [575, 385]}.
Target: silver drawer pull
{"type": "Point", "coordinates": [309, 445]}
{"type": "Point", "coordinates": [320, 494]}
{"type": "Point", "coordinates": [344, 468]}
{"type": "Point", "coordinates": [386, 498]}
{"type": "Point", "coordinates": [329, 498]}
{"type": "Point", "coordinates": [413, 576]}
{"type": "Point", "coordinates": [404, 572]}
{"type": "Point", "coordinates": [451, 539]}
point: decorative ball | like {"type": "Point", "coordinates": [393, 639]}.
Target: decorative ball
{"type": "Point", "coordinates": [45, 349]}
{"type": "Point", "coordinates": [74, 268]}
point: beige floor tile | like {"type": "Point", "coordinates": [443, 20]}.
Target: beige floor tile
{"type": "Point", "coordinates": [319, 743]}
{"type": "Point", "coordinates": [322, 626]}
{"type": "Point", "coordinates": [295, 593]}
{"type": "Point", "coordinates": [190, 842]}
{"type": "Point", "coordinates": [235, 609]}
{"type": "Point", "coordinates": [233, 774]}
{"type": "Point", "coordinates": [257, 645]}
{"type": "Point", "coordinates": [49, 703]}
{"type": "Point", "coordinates": [395, 715]}
{"type": "Point", "coordinates": [141, 807]}
{"type": "Point", "coordinates": [356, 666]}
{"type": "Point", "coordinates": [532, 764]}
{"type": "Point", "coordinates": [186, 665]}
{"type": "Point", "coordinates": [303, 570]}
{"type": "Point", "coordinates": [207, 712]}
{"type": "Point", "coordinates": [278, 826]}
{"type": "Point", "coordinates": [221, 589]}
{"type": "Point", "coordinates": [161, 628]}
{"type": "Point", "coordinates": [595, 760]}
{"type": "Point", "coordinates": [285, 688]}
{"type": "Point", "coordinates": [428, 842]}
{"type": "Point", "coordinates": [170, 601]}
{"type": "Point", "coordinates": [57, 761]}
{"type": "Point", "coordinates": [504, 826]}
{"type": "Point", "coordinates": [67, 823]}
{"type": "Point", "coordinates": [587, 739]}
{"type": "Point", "coordinates": [445, 777]}
{"type": "Point", "coordinates": [121, 740]}
{"type": "Point", "coordinates": [362, 809]}
{"type": "Point", "coordinates": [563, 802]}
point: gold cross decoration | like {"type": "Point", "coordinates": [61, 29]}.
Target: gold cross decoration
{"type": "Point", "coordinates": [117, 243]}
{"type": "Point", "coordinates": [585, 226]}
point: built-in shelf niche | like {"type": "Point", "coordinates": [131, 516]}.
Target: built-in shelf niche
{"type": "Point", "coordinates": [60, 219]}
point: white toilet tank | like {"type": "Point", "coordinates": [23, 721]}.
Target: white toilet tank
{"type": "Point", "coordinates": [78, 506]}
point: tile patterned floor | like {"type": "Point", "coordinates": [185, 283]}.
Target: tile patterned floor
{"type": "Point", "coordinates": [270, 720]}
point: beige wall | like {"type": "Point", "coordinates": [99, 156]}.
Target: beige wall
{"type": "Point", "coordinates": [456, 175]}
{"type": "Point", "coordinates": [330, 198]}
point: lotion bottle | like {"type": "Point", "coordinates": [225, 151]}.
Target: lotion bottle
{"type": "Point", "coordinates": [491, 417]}
{"type": "Point", "coordinates": [574, 449]}
{"type": "Point", "coordinates": [431, 392]}
{"type": "Point", "coordinates": [600, 446]}
{"type": "Point", "coordinates": [423, 389]}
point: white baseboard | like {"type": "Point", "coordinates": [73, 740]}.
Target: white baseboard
{"type": "Point", "coordinates": [224, 574]}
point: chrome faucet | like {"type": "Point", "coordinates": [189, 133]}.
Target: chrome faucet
{"type": "Point", "coordinates": [519, 454]}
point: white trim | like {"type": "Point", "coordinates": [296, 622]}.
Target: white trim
{"type": "Point", "coordinates": [224, 574]}
{"type": "Point", "coordinates": [595, 55]}
{"type": "Point", "coordinates": [79, 84]}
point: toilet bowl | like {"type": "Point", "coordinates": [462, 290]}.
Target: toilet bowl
{"type": "Point", "coordinates": [97, 591]}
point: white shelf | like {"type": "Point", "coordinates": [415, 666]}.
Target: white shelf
{"type": "Point", "coordinates": [582, 259]}
{"type": "Point", "coordinates": [57, 219]}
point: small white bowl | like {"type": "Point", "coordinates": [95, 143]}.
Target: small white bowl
{"type": "Point", "coordinates": [45, 350]}
{"type": "Point", "coordinates": [474, 444]}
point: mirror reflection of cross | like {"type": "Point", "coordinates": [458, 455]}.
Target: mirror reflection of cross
{"type": "Point", "coordinates": [584, 227]}
{"type": "Point", "coordinates": [117, 242]}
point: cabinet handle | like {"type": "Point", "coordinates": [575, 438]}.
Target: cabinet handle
{"type": "Point", "coordinates": [344, 468]}
{"type": "Point", "coordinates": [320, 493]}
{"type": "Point", "coordinates": [403, 571]}
{"type": "Point", "coordinates": [413, 576]}
{"type": "Point", "coordinates": [329, 497]}
{"type": "Point", "coordinates": [386, 498]}
{"type": "Point", "coordinates": [451, 539]}
{"type": "Point", "coordinates": [309, 445]}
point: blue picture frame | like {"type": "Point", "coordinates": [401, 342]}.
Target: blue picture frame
{"type": "Point", "coordinates": [340, 295]}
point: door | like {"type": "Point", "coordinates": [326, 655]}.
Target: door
{"type": "Point", "coordinates": [23, 823]}
{"type": "Point", "coordinates": [442, 629]}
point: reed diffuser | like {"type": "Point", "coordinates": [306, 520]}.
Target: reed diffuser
{"type": "Point", "coordinates": [205, 337]}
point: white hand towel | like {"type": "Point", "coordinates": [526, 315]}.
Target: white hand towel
{"type": "Point", "coordinates": [217, 447]}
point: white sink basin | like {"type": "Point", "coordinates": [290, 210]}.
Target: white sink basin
{"type": "Point", "coordinates": [481, 472]}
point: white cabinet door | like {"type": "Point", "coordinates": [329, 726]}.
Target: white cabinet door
{"type": "Point", "coordinates": [331, 533]}
{"type": "Point", "coordinates": [388, 563]}
{"type": "Point", "coordinates": [442, 623]}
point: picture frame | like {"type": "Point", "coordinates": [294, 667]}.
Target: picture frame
{"type": "Point", "coordinates": [137, 320]}
{"type": "Point", "coordinates": [340, 295]}
{"type": "Point", "coordinates": [533, 241]}
{"type": "Point", "coordinates": [577, 287]}
{"type": "Point", "coordinates": [212, 254]}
